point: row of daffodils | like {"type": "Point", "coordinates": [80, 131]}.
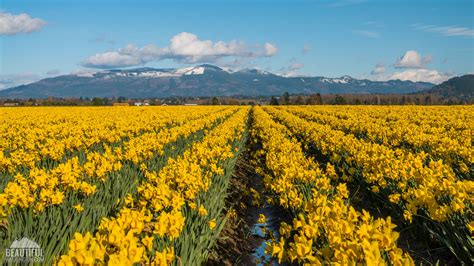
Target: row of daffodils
{"type": "Point", "coordinates": [415, 185]}
{"type": "Point", "coordinates": [154, 217]}
{"type": "Point", "coordinates": [326, 228]}
{"type": "Point", "coordinates": [129, 197]}
{"type": "Point", "coordinates": [42, 187]}
{"type": "Point", "coordinates": [54, 133]}
{"type": "Point", "coordinates": [443, 132]}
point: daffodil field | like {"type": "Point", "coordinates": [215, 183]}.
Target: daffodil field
{"type": "Point", "coordinates": [149, 185]}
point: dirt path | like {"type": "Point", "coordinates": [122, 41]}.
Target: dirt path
{"type": "Point", "coordinates": [242, 240]}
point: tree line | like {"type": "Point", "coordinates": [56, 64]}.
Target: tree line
{"type": "Point", "coordinates": [365, 99]}
{"type": "Point", "coordinates": [284, 99]}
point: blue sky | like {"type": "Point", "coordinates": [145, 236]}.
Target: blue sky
{"type": "Point", "coordinates": [416, 40]}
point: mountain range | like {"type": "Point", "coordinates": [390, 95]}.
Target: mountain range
{"type": "Point", "coordinates": [201, 80]}
{"type": "Point", "coordinates": [455, 88]}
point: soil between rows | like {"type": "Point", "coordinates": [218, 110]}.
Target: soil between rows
{"type": "Point", "coordinates": [242, 240]}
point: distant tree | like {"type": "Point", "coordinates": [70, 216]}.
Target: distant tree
{"type": "Point", "coordinates": [121, 99]}
{"type": "Point", "coordinates": [339, 100]}
{"type": "Point", "coordinates": [404, 100]}
{"type": "Point", "coordinates": [97, 101]}
{"type": "Point", "coordinates": [233, 102]}
{"type": "Point", "coordinates": [428, 100]}
{"type": "Point", "coordinates": [274, 101]}
{"type": "Point", "coordinates": [319, 100]}
{"type": "Point", "coordinates": [314, 99]}
{"type": "Point", "coordinates": [106, 101]}
{"type": "Point", "coordinates": [286, 98]}
{"type": "Point", "coordinates": [215, 101]}
{"type": "Point", "coordinates": [299, 100]}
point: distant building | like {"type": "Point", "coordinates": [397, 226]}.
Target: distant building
{"type": "Point", "coordinates": [10, 104]}
{"type": "Point", "coordinates": [121, 104]}
{"type": "Point", "coordinates": [138, 104]}
{"type": "Point", "coordinates": [190, 104]}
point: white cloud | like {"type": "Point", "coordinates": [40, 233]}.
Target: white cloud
{"type": "Point", "coordinates": [292, 69]}
{"type": "Point", "coordinates": [366, 33]}
{"type": "Point", "coordinates": [412, 59]}
{"type": "Point", "coordinates": [427, 75]}
{"type": "Point", "coordinates": [449, 31]}
{"type": "Point", "coordinates": [290, 74]}
{"type": "Point", "coordinates": [379, 69]}
{"type": "Point", "coordinates": [13, 24]}
{"type": "Point", "coordinates": [83, 72]}
{"type": "Point", "coordinates": [414, 70]}
{"type": "Point", "coordinates": [270, 49]}
{"type": "Point", "coordinates": [184, 47]}
{"type": "Point", "coordinates": [113, 59]}
{"type": "Point", "coordinates": [191, 49]}
{"type": "Point", "coordinates": [419, 74]}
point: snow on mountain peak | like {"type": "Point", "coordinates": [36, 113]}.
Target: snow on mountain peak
{"type": "Point", "coordinates": [341, 80]}
{"type": "Point", "coordinates": [254, 71]}
{"type": "Point", "coordinates": [195, 71]}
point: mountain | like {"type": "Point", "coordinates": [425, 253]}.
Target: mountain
{"type": "Point", "coordinates": [458, 87]}
{"type": "Point", "coordinates": [202, 80]}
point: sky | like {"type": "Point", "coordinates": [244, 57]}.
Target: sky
{"type": "Point", "coordinates": [380, 40]}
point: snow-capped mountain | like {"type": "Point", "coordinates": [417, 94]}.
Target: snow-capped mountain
{"type": "Point", "coordinates": [341, 80]}
{"type": "Point", "coordinates": [201, 80]}
{"type": "Point", "coordinates": [153, 73]}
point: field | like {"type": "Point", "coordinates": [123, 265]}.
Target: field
{"type": "Point", "coordinates": [152, 185]}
